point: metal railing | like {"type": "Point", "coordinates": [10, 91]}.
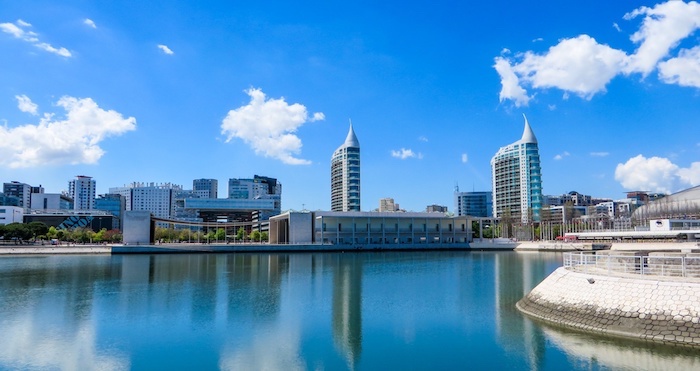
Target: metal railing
{"type": "Point", "coordinates": [661, 264]}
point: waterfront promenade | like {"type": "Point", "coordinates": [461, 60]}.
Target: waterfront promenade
{"type": "Point", "coordinates": [653, 298]}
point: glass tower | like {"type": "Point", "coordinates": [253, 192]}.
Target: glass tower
{"type": "Point", "coordinates": [345, 175]}
{"type": "Point", "coordinates": [517, 179]}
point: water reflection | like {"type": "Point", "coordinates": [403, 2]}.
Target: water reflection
{"type": "Point", "coordinates": [414, 310]}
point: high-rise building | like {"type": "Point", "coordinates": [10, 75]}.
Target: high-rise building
{"type": "Point", "coordinates": [517, 179]}
{"type": "Point", "coordinates": [22, 191]}
{"type": "Point", "coordinates": [258, 188]}
{"type": "Point", "coordinates": [82, 191]}
{"type": "Point", "coordinates": [158, 198]}
{"type": "Point", "coordinates": [479, 204]}
{"type": "Point", "coordinates": [345, 175]}
{"type": "Point", "coordinates": [206, 188]}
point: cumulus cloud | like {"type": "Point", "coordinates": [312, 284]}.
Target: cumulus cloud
{"type": "Point", "coordinates": [583, 66]}
{"type": "Point", "coordinates": [90, 23]}
{"type": "Point", "coordinates": [404, 153]}
{"type": "Point", "coordinates": [683, 70]}
{"type": "Point", "coordinates": [74, 139]}
{"type": "Point", "coordinates": [26, 105]}
{"type": "Point", "coordinates": [561, 155]}
{"type": "Point", "coordinates": [510, 84]}
{"type": "Point", "coordinates": [656, 174]}
{"type": "Point", "coordinates": [465, 158]}
{"type": "Point", "coordinates": [663, 27]}
{"type": "Point", "coordinates": [599, 154]}
{"type": "Point", "coordinates": [19, 30]}
{"type": "Point", "coordinates": [165, 49]}
{"type": "Point", "coordinates": [268, 126]}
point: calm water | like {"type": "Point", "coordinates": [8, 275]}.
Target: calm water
{"type": "Point", "coordinates": [438, 310]}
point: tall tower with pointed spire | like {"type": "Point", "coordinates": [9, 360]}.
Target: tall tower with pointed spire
{"type": "Point", "coordinates": [516, 179]}
{"type": "Point", "coordinates": [345, 175]}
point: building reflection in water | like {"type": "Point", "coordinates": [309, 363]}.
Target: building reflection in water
{"type": "Point", "coordinates": [347, 306]}
{"type": "Point", "coordinates": [515, 275]}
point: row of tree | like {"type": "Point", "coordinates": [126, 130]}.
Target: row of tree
{"type": "Point", "coordinates": [214, 235]}
{"type": "Point", "coordinates": [39, 231]}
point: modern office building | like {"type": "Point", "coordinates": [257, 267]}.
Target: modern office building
{"type": "Point", "coordinates": [114, 204]}
{"type": "Point", "coordinates": [11, 214]}
{"type": "Point", "coordinates": [259, 188]}
{"type": "Point", "coordinates": [158, 198]}
{"type": "Point", "coordinates": [345, 175]}
{"type": "Point", "coordinates": [517, 179]}
{"type": "Point", "coordinates": [206, 188]}
{"type": "Point", "coordinates": [22, 191]}
{"type": "Point", "coordinates": [6, 200]}
{"type": "Point", "coordinates": [51, 201]}
{"type": "Point", "coordinates": [479, 204]}
{"type": "Point", "coordinates": [82, 191]}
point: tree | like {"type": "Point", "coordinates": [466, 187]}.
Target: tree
{"type": "Point", "coordinates": [254, 235]}
{"type": "Point", "coordinates": [220, 234]}
{"type": "Point", "coordinates": [240, 234]}
{"type": "Point", "coordinates": [38, 228]}
{"type": "Point", "coordinates": [52, 233]}
{"type": "Point", "coordinates": [264, 236]}
{"type": "Point", "coordinates": [18, 231]}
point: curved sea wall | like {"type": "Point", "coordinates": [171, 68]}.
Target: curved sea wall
{"type": "Point", "coordinates": [647, 309]}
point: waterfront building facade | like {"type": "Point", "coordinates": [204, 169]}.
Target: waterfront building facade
{"type": "Point", "coordinates": [258, 188]}
{"type": "Point", "coordinates": [345, 175]}
{"type": "Point", "coordinates": [478, 204]}
{"type": "Point", "coordinates": [517, 179]}
{"type": "Point", "coordinates": [392, 230]}
{"type": "Point", "coordinates": [11, 214]}
{"type": "Point", "coordinates": [206, 188]}
{"type": "Point", "coordinates": [82, 191]}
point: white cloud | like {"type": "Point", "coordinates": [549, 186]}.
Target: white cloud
{"type": "Point", "coordinates": [561, 155]}
{"type": "Point", "coordinates": [404, 153]}
{"type": "Point", "coordinates": [656, 174]}
{"type": "Point", "coordinates": [26, 105]}
{"type": "Point", "coordinates": [600, 154]}
{"type": "Point", "coordinates": [423, 138]}
{"type": "Point", "coordinates": [584, 67]}
{"type": "Point", "coordinates": [617, 27]}
{"type": "Point", "coordinates": [465, 158]}
{"type": "Point", "coordinates": [683, 70]}
{"type": "Point", "coordinates": [165, 49]}
{"type": "Point", "coordinates": [18, 31]}
{"type": "Point", "coordinates": [537, 40]}
{"type": "Point", "coordinates": [268, 126]}
{"type": "Point", "coordinates": [510, 84]}
{"type": "Point", "coordinates": [580, 65]}
{"type": "Point", "coordinates": [90, 23]}
{"type": "Point", "coordinates": [552, 107]}
{"type": "Point", "coordinates": [663, 27]}
{"type": "Point", "coordinates": [72, 140]}
{"type": "Point", "coordinates": [318, 116]}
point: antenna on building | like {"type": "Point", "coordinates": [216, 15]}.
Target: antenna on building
{"type": "Point", "coordinates": [456, 187]}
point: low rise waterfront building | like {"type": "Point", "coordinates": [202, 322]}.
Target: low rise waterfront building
{"type": "Point", "coordinates": [410, 229]}
{"type": "Point", "coordinates": [11, 214]}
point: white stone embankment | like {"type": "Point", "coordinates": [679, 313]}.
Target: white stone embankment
{"type": "Point", "coordinates": [649, 309]}
{"type": "Point", "coordinates": [39, 250]}
{"type": "Point", "coordinates": [622, 246]}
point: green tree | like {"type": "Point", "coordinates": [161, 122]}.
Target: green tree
{"type": "Point", "coordinates": [52, 233]}
{"type": "Point", "coordinates": [38, 228]}
{"type": "Point", "coordinates": [100, 236]}
{"type": "Point", "coordinates": [220, 234]}
{"type": "Point", "coordinates": [264, 236]}
{"type": "Point", "coordinates": [19, 231]}
{"type": "Point", "coordinates": [254, 236]}
{"type": "Point", "coordinates": [240, 235]}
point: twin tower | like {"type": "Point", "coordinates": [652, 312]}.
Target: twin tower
{"type": "Point", "coordinates": [345, 175]}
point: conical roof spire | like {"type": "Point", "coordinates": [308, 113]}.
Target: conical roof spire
{"type": "Point", "coordinates": [351, 140]}
{"type": "Point", "coordinates": [528, 135]}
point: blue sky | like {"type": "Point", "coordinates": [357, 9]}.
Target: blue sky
{"type": "Point", "coordinates": [170, 91]}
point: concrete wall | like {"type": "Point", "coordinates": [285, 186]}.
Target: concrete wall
{"type": "Point", "coordinates": [646, 309]}
{"type": "Point", "coordinates": [137, 227]}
